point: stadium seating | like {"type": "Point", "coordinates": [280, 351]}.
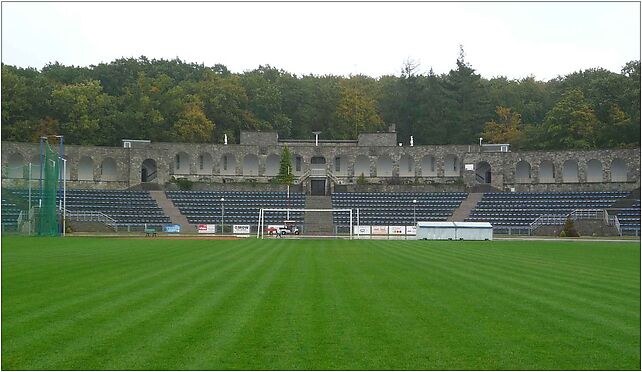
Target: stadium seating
{"type": "Point", "coordinates": [130, 209]}
{"type": "Point", "coordinates": [520, 209]}
{"type": "Point", "coordinates": [240, 207]}
{"type": "Point", "coordinates": [396, 208]}
{"type": "Point", "coordinates": [10, 213]}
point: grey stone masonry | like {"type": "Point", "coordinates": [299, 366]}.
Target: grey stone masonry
{"type": "Point", "coordinates": [376, 155]}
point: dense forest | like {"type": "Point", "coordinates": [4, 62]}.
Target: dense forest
{"type": "Point", "coordinates": [175, 101]}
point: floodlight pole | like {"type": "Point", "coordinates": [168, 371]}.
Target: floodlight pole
{"type": "Point", "coordinates": [414, 210]}
{"type": "Point", "coordinates": [222, 214]}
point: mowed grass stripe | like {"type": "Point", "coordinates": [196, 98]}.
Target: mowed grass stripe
{"type": "Point", "coordinates": [223, 313]}
{"type": "Point", "coordinates": [102, 287]}
{"type": "Point", "coordinates": [516, 298]}
{"type": "Point", "coordinates": [137, 312]}
{"type": "Point", "coordinates": [540, 278]}
{"type": "Point", "coordinates": [126, 289]}
{"type": "Point", "coordinates": [284, 304]}
{"type": "Point", "coordinates": [545, 292]}
{"type": "Point", "coordinates": [58, 329]}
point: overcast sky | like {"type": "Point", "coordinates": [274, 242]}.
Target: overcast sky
{"type": "Point", "coordinates": [509, 39]}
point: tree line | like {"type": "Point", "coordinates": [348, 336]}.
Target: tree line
{"type": "Point", "coordinates": [176, 101]}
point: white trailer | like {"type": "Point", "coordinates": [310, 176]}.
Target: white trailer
{"type": "Point", "coordinates": [454, 230]}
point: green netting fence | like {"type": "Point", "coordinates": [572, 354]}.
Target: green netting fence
{"type": "Point", "coordinates": [48, 221]}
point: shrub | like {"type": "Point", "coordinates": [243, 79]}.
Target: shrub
{"type": "Point", "coordinates": [569, 229]}
{"type": "Point", "coordinates": [361, 180]}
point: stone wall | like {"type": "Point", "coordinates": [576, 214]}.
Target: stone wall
{"type": "Point", "coordinates": [385, 163]}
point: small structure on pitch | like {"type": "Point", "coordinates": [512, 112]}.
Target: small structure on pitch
{"type": "Point", "coordinates": [441, 230]}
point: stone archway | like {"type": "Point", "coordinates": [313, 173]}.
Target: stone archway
{"type": "Point", "coordinates": [594, 171]}
{"type": "Point", "coordinates": [15, 166]}
{"type": "Point", "coordinates": [362, 166]}
{"type": "Point", "coordinates": [181, 163]}
{"type": "Point", "coordinates": [272, 165]}
{"type": "Point", "coordinates": [428, 166]}
{"type": "Point", "coordinates": [546, 172]}
{"type": "Point", "coordinates": [108, 169]}
{"type": "Point", "coordinates": [86, 169]}
{"type": "Point", "coordinates": [483, 172]}
{"type": "Point", "coordinates": [522, 172]}
{"type": "Point", "coordinates": [618, 170]}
{"type": "Point", "coordinates": [406, 166]}
{"type": "Point", "coordinates": [384, 166]}
{"type": "Point", "coordinates": [148, 170]}
{"type": "Point", "coordinates": [570, 171]}
{"type": "Point", "coordinates": [251, 165]}
{"type": "Point", "coordinates": [205, 164]}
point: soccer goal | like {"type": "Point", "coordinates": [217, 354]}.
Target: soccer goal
{"type": "Point", "coordinates": [329, 222]}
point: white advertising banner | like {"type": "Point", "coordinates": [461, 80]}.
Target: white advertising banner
{"type": "Point", "coordinates": [241, 229]}
{"type": "Point", "coordinates": [411, 230]}
{"type": "Point", "coordinates": [362, 230]}
{"type": "Point", "coordinates": [206, 229]}
{"type": "Point", "coordinates": [379, 230]}
{"type": "Point", "coordinates": [469, 167]}
{"type": "Point", "coordinates": [396, 230]}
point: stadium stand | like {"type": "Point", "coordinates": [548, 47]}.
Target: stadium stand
{"type": "Point", "coordinates": [240, 207]}
{"type": "Point", "coordinates": [130, 209]}
{"type": "Point", "coordinates": [10, 213]}
{"type": "Point", "coordinates": [519, 209]}
{"type": "Point", "coordinates": [396, 208]}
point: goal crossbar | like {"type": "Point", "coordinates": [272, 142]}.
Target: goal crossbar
{"type": "Point", "coordinates": [261, 224]}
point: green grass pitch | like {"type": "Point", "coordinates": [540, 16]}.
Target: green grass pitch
{"type": "Point", "coordinates": [98, 303]}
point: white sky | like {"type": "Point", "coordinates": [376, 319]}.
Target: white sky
{"type": "Point", "coordinates": [509, 39]}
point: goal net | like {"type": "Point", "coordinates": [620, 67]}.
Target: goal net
{"type": "Point", "coordinates": [305, 222]}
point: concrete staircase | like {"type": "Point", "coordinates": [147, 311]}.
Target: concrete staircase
{"type": "Point", "coordinates": [318, 223]}
{"type": "Point", "coordinates": [463, 211]}
{"type": "Point", "coordinates": [172, 212]}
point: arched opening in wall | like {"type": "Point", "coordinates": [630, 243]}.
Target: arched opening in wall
{"type": "Point", "coordinates": [523, 172]}
{"type": "Point", "coordinates": [406, 166]}
{"type": "Point", "coordinates": [483, 172]}
{"type": "Point", "coordinates": [340, 167]}
{"type": "Point", "coordinates": [251, 165]}
{"type": "Point", "coordinates": [147, 171]}
{"type": "Point", "coordinates": [205, 164]}
{"type": "Point", "coordinates": [35, 167]}
{"type": "Point", "coordinates": [384, 166]}
{"type": "Point", "coordinates": [108, 171]}
{"type": "Point", "coordinates": [618, 171]}
{"type": "Point", "coordinates": [15, 167]}
{"type": "Point", "coordinates": [428, 167]}
{"type": "Point", "coordinates": [272, 165]}
{"type": "Point", "coordinates": [86, 169]}
{"type": "Point", "coordinates": [451, 166]}
{"type": "Point", "coordinates": [570, 171]}
{"type": "Point", "coordinates": [181, 163]}
{"type": "Point", "coordinates": [546, 172]}
{"type": "Point", "coordinates": [362, 166]}
{"type": "Point", "coordinates": [594, 171]}
{"type": "Point", "coordinates": [228, 165]}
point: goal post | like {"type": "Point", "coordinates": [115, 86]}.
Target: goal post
{"type": "Point", "coordinates": [349, 214]}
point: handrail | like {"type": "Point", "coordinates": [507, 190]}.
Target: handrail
{"type": "Point", "coordinates": [90, 216]}
{"type": "Point", "coordinates": [304, 176]}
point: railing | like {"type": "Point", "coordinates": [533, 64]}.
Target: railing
{"type": "Point", "coordinates": [333, 177]}
{"type": "Point", "coordinates": [547, 220]}
{"type": "Point", "coordinates": [151, 176]}
{"type": "Point", "coordinates": [479, 178]}
{"type": "Point", "coordinates": [92, 216]}
{"type": "Point", "coordinates": [304, 176]}
{"type": "Point", "coordinates": [577, 214]}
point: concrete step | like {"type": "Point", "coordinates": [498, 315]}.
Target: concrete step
{"type": "Point", "coordinates": [318, 223]}
{"type": "Point", "coordinates": [172, 211]}
{"type": "Point", "coordinates": [467, 205]}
